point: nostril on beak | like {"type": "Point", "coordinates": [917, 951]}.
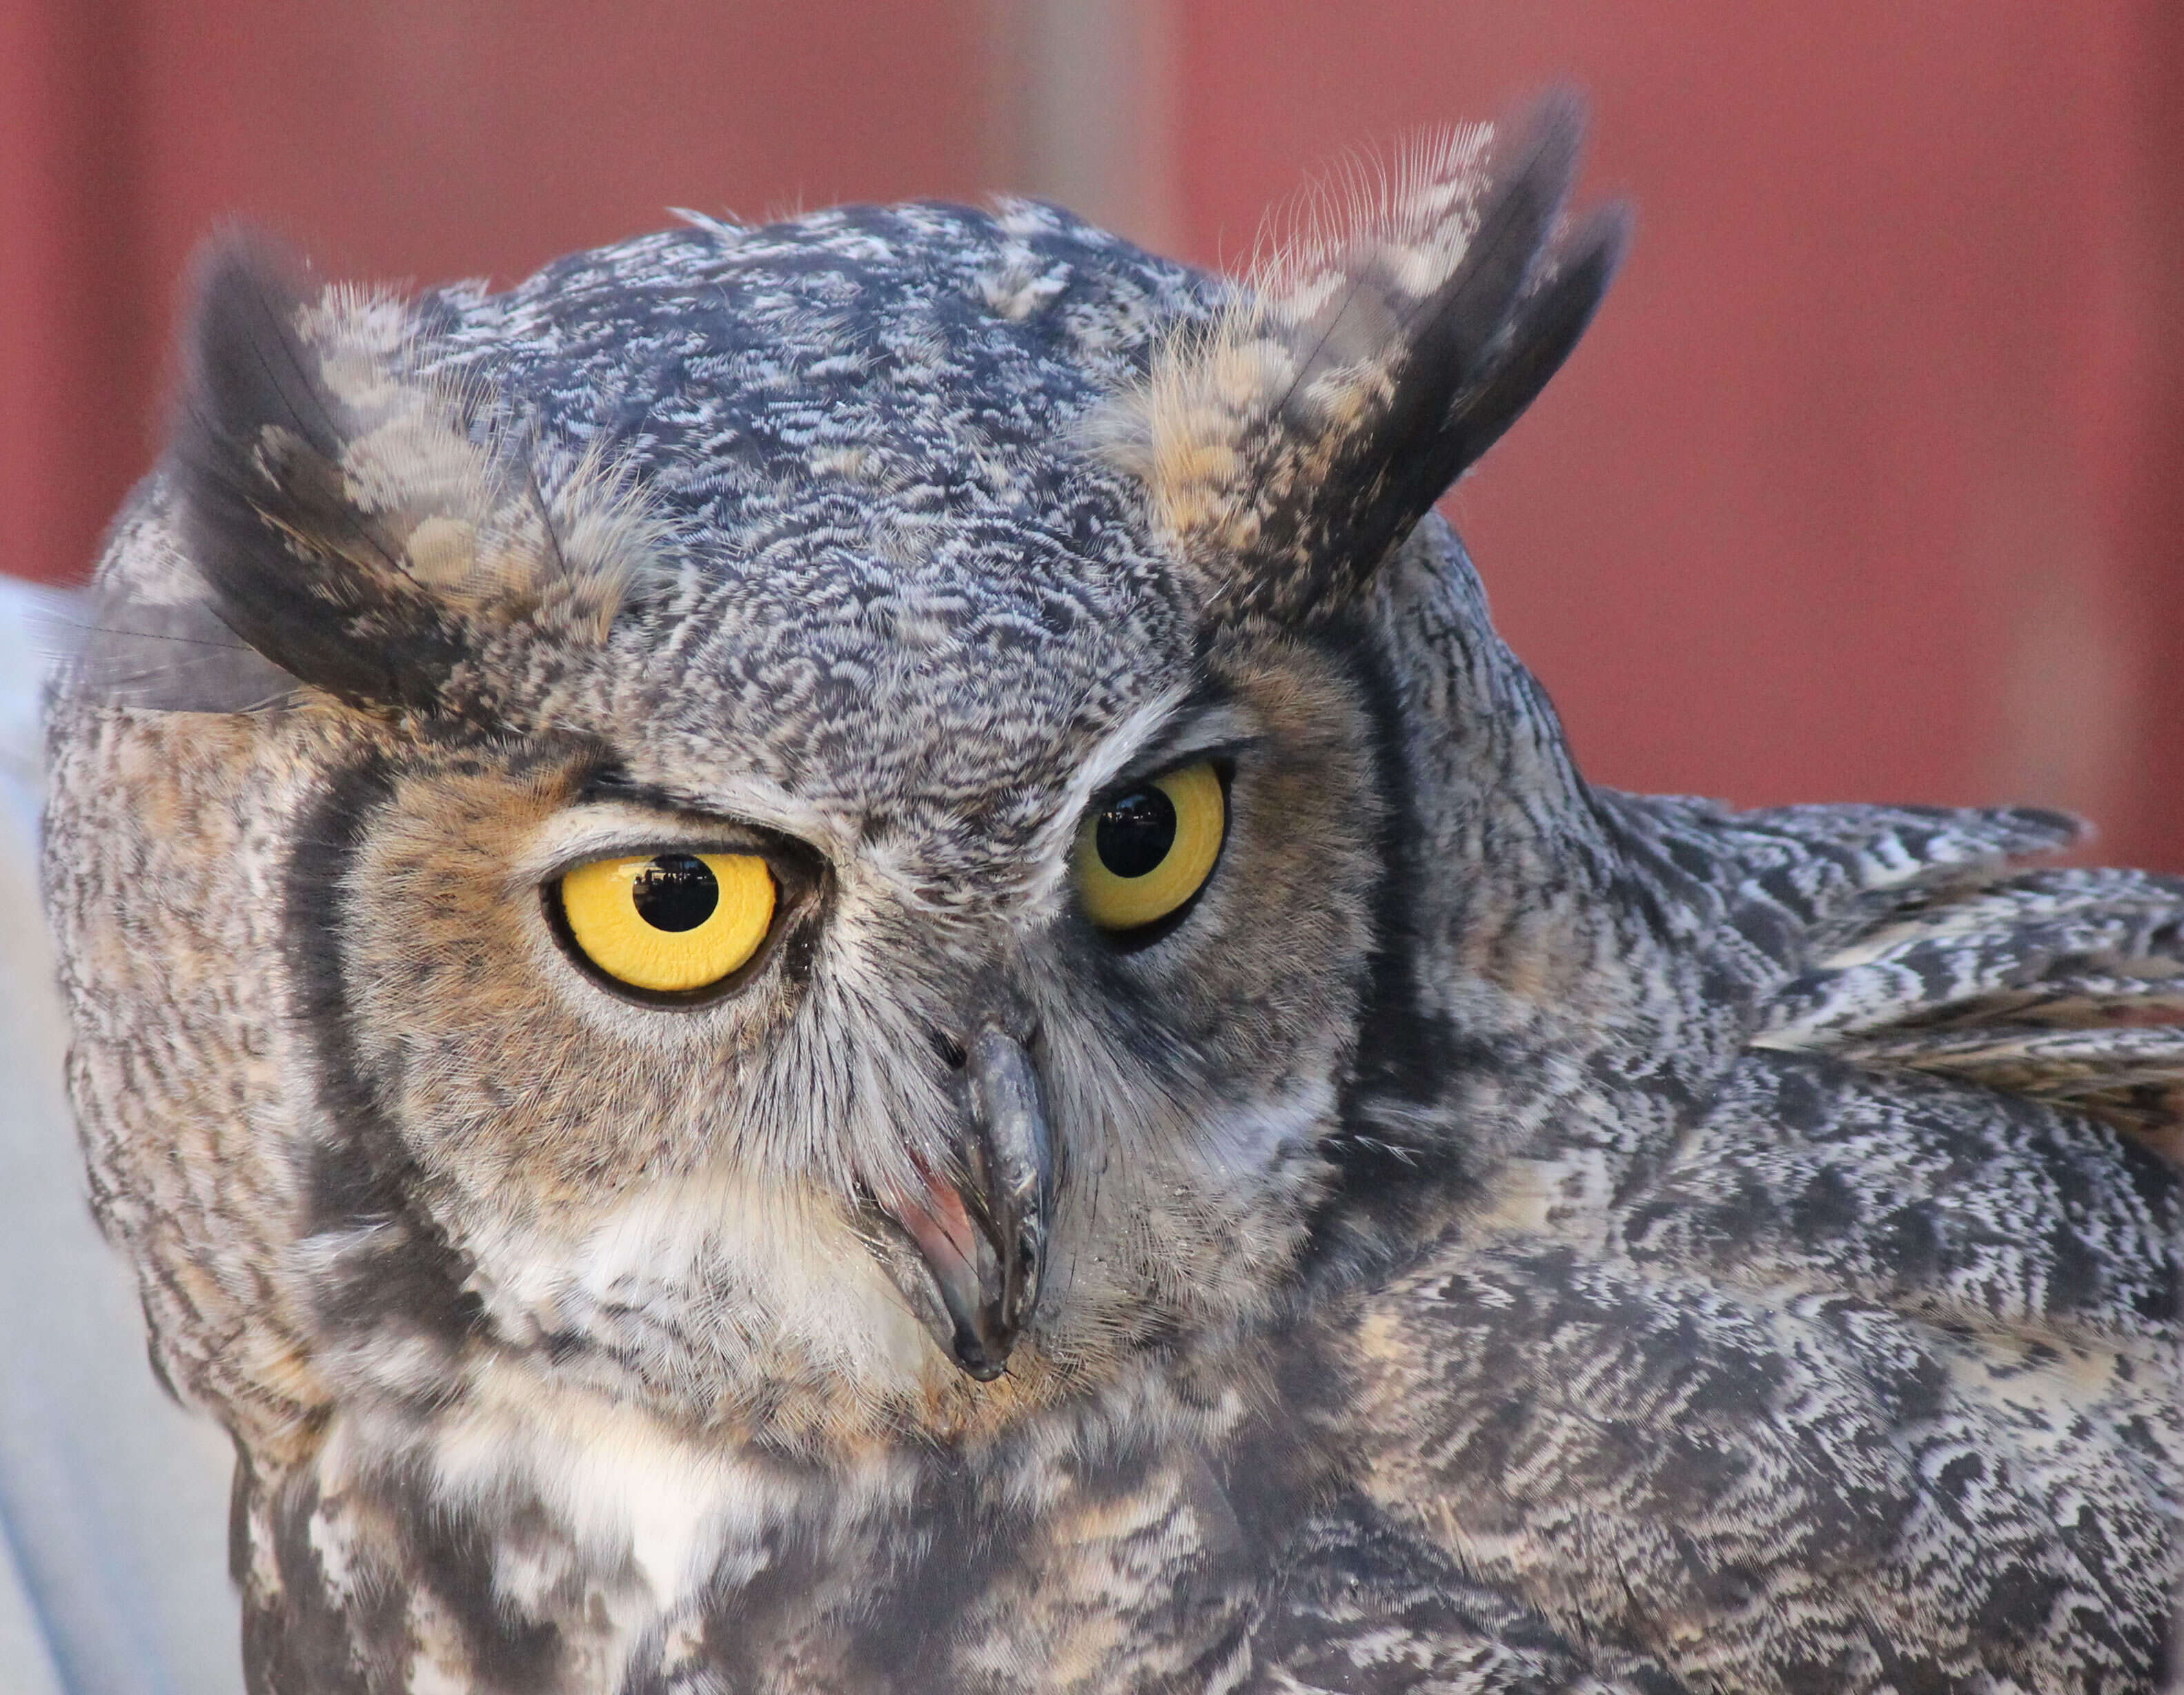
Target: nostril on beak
{"type": "Point", "coordinates": [951, 1050]}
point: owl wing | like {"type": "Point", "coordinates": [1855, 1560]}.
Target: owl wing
{"type": "Point", "coordinates": [1872, 1381]}
{"type": "Point", "coordinates": [1803, 1418]}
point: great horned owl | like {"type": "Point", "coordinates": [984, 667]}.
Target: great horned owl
{"type": "Point", "coordinates": [835, 957]}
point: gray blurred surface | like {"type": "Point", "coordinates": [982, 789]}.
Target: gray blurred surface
{"type": "Point", "coordinates": [113, 1500]}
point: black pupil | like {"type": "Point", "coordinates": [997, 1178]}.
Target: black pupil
{"type": "Point", "coordinates": [677, 891]}
{"type": "Point", "coordinates": [1136, 832]}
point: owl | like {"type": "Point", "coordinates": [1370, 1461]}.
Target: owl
{"type": "Point", "coordinates": [835, 957]}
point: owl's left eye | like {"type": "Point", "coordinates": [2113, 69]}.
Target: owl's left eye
{"type": "Point", "coordinates": [668, 924]}
{"type": "Point", "coordinates": [1142, 855]}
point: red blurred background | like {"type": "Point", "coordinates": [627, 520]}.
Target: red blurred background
{"type": "Point", "coordinates": [1865, 486]}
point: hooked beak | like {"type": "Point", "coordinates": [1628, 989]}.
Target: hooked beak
{"type": "Point", "coordinates": [984, 1246]}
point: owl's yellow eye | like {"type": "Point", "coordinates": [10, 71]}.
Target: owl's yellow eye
{"type": "Point", "coordinates": [1143, 854]}
{"type": "Point", "coordinates": [669, 923]}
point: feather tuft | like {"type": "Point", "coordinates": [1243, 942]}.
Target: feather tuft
{"type": "Point", "coordinates": [360, 523]}
{"type": "Point", "coordinates": [1410, 314]}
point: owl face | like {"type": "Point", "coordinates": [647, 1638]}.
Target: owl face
{"type": "Point", "coordinates": [847, 773]}
{"type": "Point", "coordinates": [779, 1161]}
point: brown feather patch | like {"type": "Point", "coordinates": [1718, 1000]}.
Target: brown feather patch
{"type": "Point", "coordinates": [472, 521]}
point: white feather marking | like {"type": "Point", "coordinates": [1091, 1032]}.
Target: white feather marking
{"type": "Point", "coordinates": [1111, 756]}
{"type": "Point", "coordinates": [601, 829]}
{"type": "Point", "coordinates": [621, 1483]}
{"type": "Point", "coordinates": [707, 1245]}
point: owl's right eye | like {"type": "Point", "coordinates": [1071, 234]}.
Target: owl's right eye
{"type": "Point", "coordinates": [668, 924]}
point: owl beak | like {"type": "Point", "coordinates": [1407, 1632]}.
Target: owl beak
{"type": "Point", "coordinates": [984, 1244]}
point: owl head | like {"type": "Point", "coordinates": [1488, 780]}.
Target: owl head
{"type": "Point", "coordinates": [830, 828]}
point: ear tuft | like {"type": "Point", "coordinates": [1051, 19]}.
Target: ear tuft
{"type": "Point", "coordinates": [1289, 446]}
{"type": "Point", "coordinates": [350, 522]}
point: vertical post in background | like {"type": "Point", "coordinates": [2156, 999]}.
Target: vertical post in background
{"type": "Point", "coordinates": [67, 275]}
{"type": "Point", "coordinates": [1081, 111]}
